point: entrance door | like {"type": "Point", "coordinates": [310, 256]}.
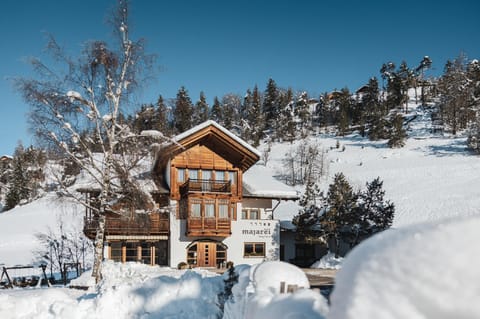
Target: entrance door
{"type": "Point", "coordinates": [207, 254]}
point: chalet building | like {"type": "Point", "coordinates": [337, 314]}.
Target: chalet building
{"type": "Point", "coordinates": [214, 204]}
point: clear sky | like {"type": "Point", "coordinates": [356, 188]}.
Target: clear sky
{"type": "Point", "coordinates": [228, 46]}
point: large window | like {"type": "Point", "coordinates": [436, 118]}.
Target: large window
{"type": "Point", "coordinates": [210, 208]}
{"type": "Point", "coordinates": [254, 250]}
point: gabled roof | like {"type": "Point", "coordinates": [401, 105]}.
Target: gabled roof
{"type": "Point", "coordinates": [215, 137]}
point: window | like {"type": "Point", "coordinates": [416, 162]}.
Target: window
{"type": "Point", "coordinates": [181, 175]}
{"type": "Point", "coordinates": [116, 251]}
{"type": "Point", "coordinates": [206, 174]}
{"type": "Point", "coordinates": [192, 255]}
{"type": "Point", "coordinates": [193, 173]}
{"type": "Point", "coordinates": [232, 177]}
{"type": "Point", "coordinates": [196, 209]}
{"type": "Point", "coordinates": [146, 253]}
{"type": "Point", "coordinates": [131, 251]}
{"type": "Point", "coordinates": [223, 208]}
{"type": "Point", "coordinates": [209, 209]}
{"type": "Point", "coordinates": [250, 213]}
{"type": "Point", "coordinates": [254, 250]}
{"type": "Point", "coordinates": [219, 175]}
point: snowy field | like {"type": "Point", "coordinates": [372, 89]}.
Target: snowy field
{"type": "Point", "coordinates": [425, 267]}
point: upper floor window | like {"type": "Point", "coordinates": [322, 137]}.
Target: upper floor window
{"type": "Point", "coordinates": [223, 208]}
{"type": "Point", "coordinates": [207, 174]}
{"type": "Point", "coordinates": [250, 213]}
{"type": "Point", "coordinates": [220, 175]}
{"type": "Point", "coordinates": [181, 175]}
{"type": "Point", "coordinates": [232, 177]}
{"type": "Point", "coordinates": [193, 173]}
{"type": "Point", "coordinates": [210, 209]}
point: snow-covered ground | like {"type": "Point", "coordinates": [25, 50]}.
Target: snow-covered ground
{"type": "Point", "coordinates": [132, 290]}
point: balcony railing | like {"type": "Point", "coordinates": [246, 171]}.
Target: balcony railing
{"type": "Point", "coordinates": [205, 186]}
{"type": "Point", "coordinates": [141, 224]}
{"type": "Point", "coordinates": [202, 226]}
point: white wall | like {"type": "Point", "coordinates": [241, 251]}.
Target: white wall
{"type": "Point", "coordinates": [243, 231]}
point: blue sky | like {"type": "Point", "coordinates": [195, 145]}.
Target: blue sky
{"type": "Point", "coordinates": [228, 46]}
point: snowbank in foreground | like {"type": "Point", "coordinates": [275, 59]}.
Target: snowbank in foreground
{"type": "Point", "coordinates": [423, 271]}
{"type": "Point", "coordinates": [329, 261]}
{"type": "Point", "coordinates": [134, 290]}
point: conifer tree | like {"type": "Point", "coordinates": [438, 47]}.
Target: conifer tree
{"type": "Point", "coordinates": [183, 111]}
{"type": "Point", "coordinates": [397, 133]}
{"type": "Point", "coordinates": [18, 184]}
{"type": "Point", "coordinates": [377, 213]}
{"type": "Point", "coordinates": [160, 121]}
{"type": "Point", "coordinates": [216, 111]}
{"type": "Point", "coordinates": [200, 112]}
{"type": "Point", "coordinates": [255, 117]}
{"type": "Point", "coordinates": [270, 106]}
{"type": "Point", "coordinates": [303, 113]}
{"type": "Point", "coordinates": [307, 220]}
{"type": "Point", "coordinates": [340, 216]}
{"type": "Point", "coordinates": [286, 117]}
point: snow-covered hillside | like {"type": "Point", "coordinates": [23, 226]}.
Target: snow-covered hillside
{"type": "Point", "coordinates": [433, 177]}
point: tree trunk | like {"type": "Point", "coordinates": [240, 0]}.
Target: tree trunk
{"type": "Point", "coordinates": [98, 254]}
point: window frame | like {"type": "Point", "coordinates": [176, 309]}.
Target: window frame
{"type": "Point", "coordinates": [254, 254]}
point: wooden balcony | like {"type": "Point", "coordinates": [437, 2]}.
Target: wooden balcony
{"type": "Point", "coordinates": [140, 224]}
{"type": "Point", "coordinates": [202, 226]}
{"type": "Point", "coordinates": [205, 186]}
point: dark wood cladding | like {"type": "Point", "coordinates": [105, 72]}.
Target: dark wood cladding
{"type": "Point", "coordinates": [203, 226]}
{"type": "Point", "coordinates": [140, 224]}
{"type": "Point", "coordinates": [205, 186]}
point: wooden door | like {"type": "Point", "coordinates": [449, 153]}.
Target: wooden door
{"type": "Point", "coordinates": [207, 254]}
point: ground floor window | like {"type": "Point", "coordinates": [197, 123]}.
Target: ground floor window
{"type": "Point", "coordinates": [254, 250]}
{"type": "Point", "coordinates": [147, 252]}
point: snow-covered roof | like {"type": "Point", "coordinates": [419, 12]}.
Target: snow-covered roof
{"type": "Point", "coordinates": [258, 182]}
{"type": "Point", "coordinates": [205, 124]}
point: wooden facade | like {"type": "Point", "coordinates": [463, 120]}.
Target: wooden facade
{"type": "Point", "coordinates": [205, 170]}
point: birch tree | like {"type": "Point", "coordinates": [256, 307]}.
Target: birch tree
{"type": "Point", "coordinates": [76, 108]}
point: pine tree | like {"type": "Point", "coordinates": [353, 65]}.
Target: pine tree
{"type": "Point", "coordinates": [216, 111]}
{"type": "Point", "coordinates": [286, 117]}
{"type": "Point", "coordinates": [339, 218]}
{"type": "Point", "coordinates": [183, 111]}
{"type": "Point", "coordinates": [424, 65]}
{"type": "Point", "coordinates": [255, 118]}
{"type": "Point", "coordinates": [18, 184]}
{"type": "Point", "coordinates": [377, 214]}
{"type": "Point", "coordinates": [302, 112]}
{"type": "Point", "coordinates": [397, 133]}
{"type": "Point", "coordinates": [160, 120]}
{"type": "Point", "coordinates": [270, 106]}
{"type": "Point", "coordinates": [200, 112]}
{"type": "Point", "coordinates": [307, 221]}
